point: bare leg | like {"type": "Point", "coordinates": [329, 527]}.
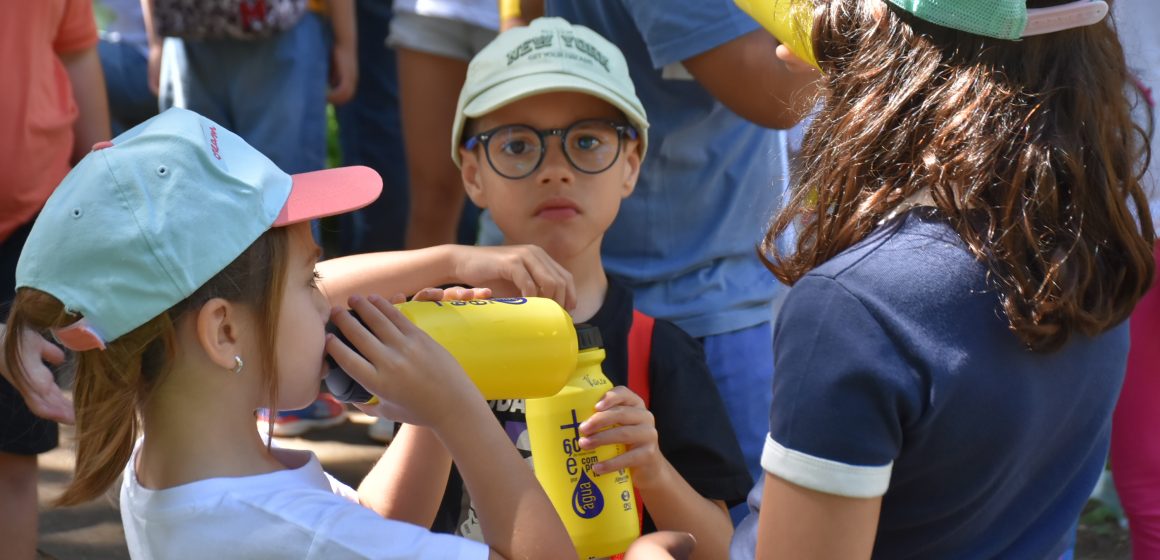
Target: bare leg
{"type": "Point", "coordinates": [428, 89]}
{"type": "Point", "coordinates": [18, 515]}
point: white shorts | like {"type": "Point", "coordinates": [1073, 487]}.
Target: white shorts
{"type": "Point", "coordinates": [438, 36]}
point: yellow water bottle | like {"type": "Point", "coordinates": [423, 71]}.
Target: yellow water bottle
{"type": "Point", "coordinates": [599, 511]}
{"type": "Point", "coordinates": [791, 21]}
{"type": "Point", "coordinates": [509, 347]}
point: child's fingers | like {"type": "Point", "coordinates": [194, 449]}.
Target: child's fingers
{"type": "Point", "coordinates": [522, 280]}
{"type": "Point", "coordinates": [629, 459]}
{"type": "Point", "coordinates": [619, 396]}
{"type": "Point", "coordinates": [402, 327]}
{"type": "Point", "coordinates": [429, 294]}
{"type": "Point", "coordinates": [662, 545]}
{"type": "Point", "coordinates": [382, 330]}
{"type": "Point", "coordinates": [399, 298]}
{"type": "Point", "coordinates": [48, 351]}
{"type": "Point", "coordinates": [554, 280]}
{"type": "Point", "coordinates": [616, 416]}
{"type": "Point", "coordinates": [557, 280]}
{"type": "Point", "coordinates": [633, 435]}
{"type": "Point", "coordinates": [350, 361]}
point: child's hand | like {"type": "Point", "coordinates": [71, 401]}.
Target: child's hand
{"type": "Point", "coordinates": [41, 393]}
{"type": "Point", "coordinates": [621, 417]}
{"type": "Point", "coordinates": [662, 545]}
{"type": "Point", "coordinates": [343, 73]}
{"type": "Point", "coordinates": [454, 293]}
{"type": "Point", "coordinates": [417, 381]}
{"type": "Point", "coordinates": [526, 270]}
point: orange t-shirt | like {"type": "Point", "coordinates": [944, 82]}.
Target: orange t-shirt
{"type": "Point", "coordinates": [37, 109]}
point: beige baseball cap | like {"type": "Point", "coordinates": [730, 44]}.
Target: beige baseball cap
{"type": "Point", "coordinates": [547, 56]}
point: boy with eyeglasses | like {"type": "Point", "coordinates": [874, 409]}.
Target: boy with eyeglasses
{"type": "Point", "coordinates": [549, 136]}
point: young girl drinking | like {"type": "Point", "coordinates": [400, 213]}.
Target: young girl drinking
{"type": "Point", "coordinates": [178, 263]}
{"type": "Point", "coordinates": [949, 356]}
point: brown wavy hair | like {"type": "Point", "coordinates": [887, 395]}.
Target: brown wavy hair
{"type": "Point", "coordinates": [1027, 147]}
{"type": "Point", "coordinates": [113, 385]}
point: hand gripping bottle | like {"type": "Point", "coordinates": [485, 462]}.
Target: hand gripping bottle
{"type": "Point", "coordinates": [509, 347]}
{"type": "Point", "coordinates": [598, 511]}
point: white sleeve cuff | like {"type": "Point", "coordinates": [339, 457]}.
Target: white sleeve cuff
{"type": "Point", "coordinates": [824, 475]}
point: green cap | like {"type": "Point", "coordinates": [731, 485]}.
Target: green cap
{"type": "Point", "coordinates": [547, 56]}
{"type": "Point", "coordinates": [1005, 19]}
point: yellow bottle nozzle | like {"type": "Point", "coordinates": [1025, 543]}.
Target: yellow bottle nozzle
{"type": "Point", "coordinates": [791, 21]}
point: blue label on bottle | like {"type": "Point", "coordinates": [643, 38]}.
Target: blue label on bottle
{"type": "Point", "coordinates": [462, 303]}
{"type": "Point", "coordinates": [587, 501]}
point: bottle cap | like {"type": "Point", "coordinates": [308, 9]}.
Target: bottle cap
{"type": "Point", "coordinates": [588, 336]}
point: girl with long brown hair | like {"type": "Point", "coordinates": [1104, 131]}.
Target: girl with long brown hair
{"type": "Point", "coordinates": [971, 236]}
{"type": "Point", "coordinates": [178, 263]}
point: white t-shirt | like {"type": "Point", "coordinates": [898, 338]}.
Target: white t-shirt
{"type": "Point", "coordinates": [1136, 21]}
{"type": "Point", "coordinates": [483, 13]}
{"type": "Point", "coordinates": [301, 512]}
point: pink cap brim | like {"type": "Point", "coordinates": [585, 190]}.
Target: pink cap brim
{"type": "Point", "coordinates": [329, 192]}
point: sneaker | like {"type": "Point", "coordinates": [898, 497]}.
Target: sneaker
{"type": "Point", "coordinates": [324, 412]}
{"type": "Point", "coordinates": [382, 431]}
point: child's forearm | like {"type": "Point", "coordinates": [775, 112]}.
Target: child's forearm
{"type": "Point", "coordinates": [515, 515]}
{"type": "Point", "coordinates": [147, 14]}
{"type": "Point", "coordinates": [385, 273]}
{"type": "Point", "coordinates": [342, 22]}
{"type": "Point", "coordinates": [407, 483]}
{"type": "Point", "coordinates": [88, 87]}
{"type": "Point", "coordinates": [675, 506]}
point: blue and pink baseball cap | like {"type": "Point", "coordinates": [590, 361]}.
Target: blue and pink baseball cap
{"type": "Point", "coordinates": [145, 220]}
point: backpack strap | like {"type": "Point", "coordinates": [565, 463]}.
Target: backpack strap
{"type": "Point", "coordinates": [640, 337]}
{"type": "Point", "coordinates": [639, 354]}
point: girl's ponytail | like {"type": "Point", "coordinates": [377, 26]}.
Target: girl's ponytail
{"type": "Point", "coordinates": [113, 385]}
{"type": "Point", "coordinates": [109, 384]}
{"type": "Point", "coordinates": [109, 389]}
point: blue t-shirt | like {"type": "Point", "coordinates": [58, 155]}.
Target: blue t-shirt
{"type": "Point", "coordinates": [684, 241]}
{"type": "Point", "coordinates": [899, 377]}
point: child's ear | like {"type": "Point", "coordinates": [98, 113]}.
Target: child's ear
{"type": "Point", "coordinates": [218, 330]}
{"type": "Point", "coordinates": [469, 170]}
{"type": "Point", "coordinates": [631, 167]}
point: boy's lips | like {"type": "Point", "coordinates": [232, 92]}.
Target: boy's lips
{"type": "Point", "coordinates": [557, 209]}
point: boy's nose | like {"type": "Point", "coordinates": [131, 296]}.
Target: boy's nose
{"type": "Point", "coordinates": [555, 166]}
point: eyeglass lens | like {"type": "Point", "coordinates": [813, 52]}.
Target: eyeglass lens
{"type": "Point", "coordinates": [590, 146]}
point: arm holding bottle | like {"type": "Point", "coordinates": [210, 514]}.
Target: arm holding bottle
{"type": "Point", "coordinates": [525, 270]}
{"type": "Point", "coordinates": [420, 383]}
{"type": "Point", "coordinates": [673, 504]}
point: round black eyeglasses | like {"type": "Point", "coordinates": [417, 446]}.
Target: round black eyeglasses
{"type": "Point", "coordinates": [515, 151]}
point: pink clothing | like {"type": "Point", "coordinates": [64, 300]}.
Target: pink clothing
{"type": "Point", "coordinates": [1135, 456]}
{"type": "Point", "coordinates": [37, 110]}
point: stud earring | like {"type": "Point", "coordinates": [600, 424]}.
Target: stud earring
{"type": "Point", "coordinates": [238, 365]}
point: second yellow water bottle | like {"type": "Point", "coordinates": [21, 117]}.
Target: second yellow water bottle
{"type": "Point", "coordinates": [599, 511]}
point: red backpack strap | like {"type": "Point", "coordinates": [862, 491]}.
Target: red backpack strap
{"type": "Point", "coordinates": [639, 354]}
{"type": "Point", "coordinates": [640, 337]}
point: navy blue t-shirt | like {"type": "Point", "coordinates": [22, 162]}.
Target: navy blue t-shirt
{"type": "Point", "coordinates": [899, 377]}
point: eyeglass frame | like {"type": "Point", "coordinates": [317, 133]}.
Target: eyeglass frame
{"type": "Point", "coordinates": [483, 138]}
